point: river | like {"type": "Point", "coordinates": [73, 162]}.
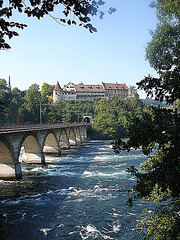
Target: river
{"type": "Point", "coordinates": [81, 195]}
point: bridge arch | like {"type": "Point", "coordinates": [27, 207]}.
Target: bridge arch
{"type": "Point", "coordinates": [64, 140]}
{"type": "Point", "coordinates": [7, 161]}
{"type": "Point", "coordinates": [34, 138]}
{"type": "Point", "coordinates": [72, 137]}
{"type": "Point", "coordinates": [33, 150]}
{"type": "Point", "coordinates": [50, 144]}
{"type": "Point", "coordinates": [83, 133]}
{"type": "Point", "coordinates": [6, 151]}
{"type": "Point", "coordinates": [78, 136]}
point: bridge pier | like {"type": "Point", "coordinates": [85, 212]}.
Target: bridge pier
{"type": "Point", "coordinates": [51, 150]}
{"type": "Point", "coordinates": [18, 170]}
{"type": "Point", "coordinates": [33, 158]}
{"type": "Point", "coordinates": [72, 142]}
{"type": "Point", "coordinates": [36, 140]}
{"type": "Point", "coordinates": [7, 171]}
{"type": "Point", "coordinates": [51, 144]}
{"type": "Point", "coordinates": [78, 140]}
{"type": "Point", "coordinates": [10, 171]}
{"type": "Point", "coordinates": [65, 146]}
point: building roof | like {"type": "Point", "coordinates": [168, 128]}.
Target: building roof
{"type": "Point", "coordinates": [115, 86]}
{"type": "Point", "coordinates": [89, 88]}
{"type": "Point", "coordinates": [69, 87]}
{"type": "Point", "coordinates": [57, 87]}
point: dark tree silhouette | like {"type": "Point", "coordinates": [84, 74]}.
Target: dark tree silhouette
{"type": "Point", "coordinates": [81, 10]}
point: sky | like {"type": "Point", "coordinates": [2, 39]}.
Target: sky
{"type": "Point", "coordinates": [47, 52]}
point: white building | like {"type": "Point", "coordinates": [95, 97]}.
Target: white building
{"type": "Point", "coordinates": [72, 92]}
{"type": "Point", "coordinates": [115, 89]}
{"type": "Point", "coordinates": [57, 93]}
{"type": "Point", "coordinates": [89, 92]}
{"type": "Point", "coordinates": [69, 92]}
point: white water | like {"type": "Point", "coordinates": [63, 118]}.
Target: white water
{"type": "Point", "coordinates": [79, 196]}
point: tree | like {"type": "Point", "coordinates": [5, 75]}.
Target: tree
{"type": "Point", "coordinates": [3, 98]}
{"type": "Point", "coordinates": [110, 118]}
{"type": "Point", "coordinates": [163, 53]}
{"type": "Point", "coordinates": [11, 102]}
{"type": "Point", "coordinates": [46, 101]}
{"type": "Point", "coordinates": [14, 111]}
{"type": "Point", "coordinates": [80, 10]}
{"type": "Point", "coordinates": [32, 104]}
{"type": "Point", "coordinates": [157, 131]}
{"type": "Point", "coordinates": [46, 93]}
{"type": "Point", "coordinates": [132, 91]}
{"type": "Point", "coordinates": [55, 114]}
{"type": "Point", "coordinates": [3, 84]}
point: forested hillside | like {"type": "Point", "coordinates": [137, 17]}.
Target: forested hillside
{"type": "Point", "coordinates": [110, 117]}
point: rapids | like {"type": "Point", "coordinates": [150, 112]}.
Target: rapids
{"type": "Point", "coordinates": [81, 195]}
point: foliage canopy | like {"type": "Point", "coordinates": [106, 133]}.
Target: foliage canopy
{"type": "Point", "coordinates": [82, 11]}
{"type": "Point", "coordinates": [157, 132]}
{"type": "Point", "coordinates": [110, 117]}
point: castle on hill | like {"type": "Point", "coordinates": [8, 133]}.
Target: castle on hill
{"type": "Point", "coordinates": [82, 91]}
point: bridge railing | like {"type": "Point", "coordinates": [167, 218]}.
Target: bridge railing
{"type": "Point", "coordinates": [6, 127]}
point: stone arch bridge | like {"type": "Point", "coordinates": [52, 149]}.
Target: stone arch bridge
{"type": "Point", "coordinates": [36, 140]}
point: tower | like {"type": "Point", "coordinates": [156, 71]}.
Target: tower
{"type": "Point", "coordinates": [57, 93]}
{"type": "Point", "coordinates": [9, 84]}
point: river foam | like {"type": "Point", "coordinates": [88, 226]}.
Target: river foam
{"type": "Point", "coordinates": [82, 195]}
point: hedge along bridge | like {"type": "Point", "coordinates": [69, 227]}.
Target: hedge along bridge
{"type": "Point", "coordinates": [36, 140]}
